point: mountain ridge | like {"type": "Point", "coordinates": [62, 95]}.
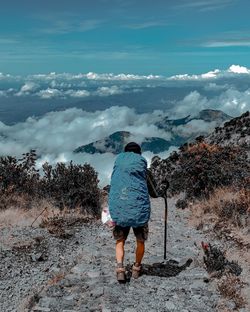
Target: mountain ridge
{"type": "Point", "coordinates": [114, 143]}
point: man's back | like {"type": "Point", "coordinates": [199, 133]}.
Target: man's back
{"type": "Point", "coordinates": [128, 198]}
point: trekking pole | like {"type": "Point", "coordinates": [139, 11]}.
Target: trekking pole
{"type": "Point", "coordinates": [165, 184]}
{"type": "Point", "coordinates": [165, 225]}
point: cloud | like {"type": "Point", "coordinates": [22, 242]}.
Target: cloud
{"type": "Point", "coordinates": [106, 91]}
{"type": "Point", "coordinates": [204, 5]}
{"type": "Point", "coordinates": [28, 88]}
{"type": "Point", "coordinates": [216, 87]}
{"type": "Point", "coordinates": [111, 76]}
{"type": "Point", "coordinates": [208, 75]}
{"type": "Point", "coordinates": [232, 71]}
{"type": "Point", "coordinates": [64, 25]}
{"type": "Point", "coordinates": [51, 135]}
{"type": "Point", "coordinates": [50, 93]}
{"type": "Point", "coordinates": [193, 127]}
{"type": "Point", "coordinates": [227, 43]}
{"type": "Point", "coordinates": [231, 101]}
{"type": "Point", "coordinates": [237, 69]}
{"type": "Point", "coordinates": [146, 24]}
{"type": "Point", "coordinates": [78, 93]}
{"type": "Point", "coordinates": [2, 93]}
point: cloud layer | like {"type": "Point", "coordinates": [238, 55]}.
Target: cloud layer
{"type": "Point", "coordinates": [57, 133]}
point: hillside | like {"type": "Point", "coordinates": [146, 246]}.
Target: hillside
{"type": "Point", "coordinates": [233, 132]}
{"type": "Point", "coordinates": [211, 179]}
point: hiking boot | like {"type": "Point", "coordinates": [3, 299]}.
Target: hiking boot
{"type": "Point", "coordinates": [136, 269]}
{"type": "Point", "coordinates": [120, 274]}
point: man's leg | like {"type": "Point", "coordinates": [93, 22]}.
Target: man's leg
{"type": "Point", "coordinates": [140, 248]}
{"type": "Point", "coordinates": [120, 235]}
{"type": "Point", "coordinates": [141, 234]}
{"type": "Point", "coordinates": [119, 250]}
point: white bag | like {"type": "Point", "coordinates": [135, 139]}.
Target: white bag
{"type": "Point", "coordinates": [106, 217]}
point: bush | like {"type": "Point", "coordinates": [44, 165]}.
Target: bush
{"type": "Point", "coordinates": [72, 186]}
{"type": "Point", "coordinates": [19, 176]}
{"type": "Point", "coordinates": [67, 186]}
{"type": "Point", "coordinates": [199, 168]}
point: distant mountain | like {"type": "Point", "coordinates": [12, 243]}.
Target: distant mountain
{"type": "Point", "coordinates": [207, 115]}
{"type": "Point", "coordinates": [115, 142]}
{"type": "Point", "coordinates": [210, 115]}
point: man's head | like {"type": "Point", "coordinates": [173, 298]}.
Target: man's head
{"type": "Point", "coordinates": [133, 147]}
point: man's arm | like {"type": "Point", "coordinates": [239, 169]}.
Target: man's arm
{"type": "Point", "coordinates": [153, 190]}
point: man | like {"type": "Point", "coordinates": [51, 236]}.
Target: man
{"type": "Point", "coordinates": [129, 204]}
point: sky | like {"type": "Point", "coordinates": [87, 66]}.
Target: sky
{"type": "Point", "coordinates": [116, 36]}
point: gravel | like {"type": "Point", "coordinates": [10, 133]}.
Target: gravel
{"type": "Point", "coordinates": [41, 272]}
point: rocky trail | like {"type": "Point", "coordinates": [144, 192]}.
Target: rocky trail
{"type": "Point", "coordinates": [42, 272]}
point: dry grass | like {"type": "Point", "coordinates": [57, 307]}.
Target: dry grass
{"type": "Point", "coordinates": [230, 288]}
{"type": "Point", "coordinates": [22, 216]}
{"type": "Point", "coordinates": [226, 214]}
{"type": "Point", "coordinates": [196, 148]}
{"type": "Point", "coordinates": [224, 205]}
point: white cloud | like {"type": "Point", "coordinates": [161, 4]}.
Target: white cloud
{"type": "Point", "coordinates": [195, 126]}
{"type": "Point", "coordinates": [111, 76]}
{"type": "Point", "coordinates": [146, 24]}
{"type": "Point", "coordinates": [105, 91]}
{"type": "Point", "coordinates": [216, 87]}
{"type": "Point", "coordinates": [2, 93]}
{"type": "Point", "coordinates": [233, 70]}
{"type": "Point", "coordinates": [78, 93]}
{"type": "Point", "coordinates": [226, 43]}
{"type": "Point", "coordinates": [51, 135]}
{"type": "Point", "coordinates": [50, 93]}
{"type": "Point", "coordinates": [232, 102]}
{"type": "Point", "coordinates": [208, 75]}
{"type": "Point", "coordinates": [237, 69]}
{"type": "Point", "coordinates": [28, 88]}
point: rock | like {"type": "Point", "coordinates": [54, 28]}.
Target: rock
{"type": "Point", "coordinates": [37, 257]}
{"type": "Point", "coordinates": [68, 301]}
{"type": "Point", "coordinates": [79, 269]}
{"type": "Point", "coordinates": [37, 308]}
{"type": "Point", "coordinates": [93, 274]}
{"type": "Point", "coordinates": [47, 302]}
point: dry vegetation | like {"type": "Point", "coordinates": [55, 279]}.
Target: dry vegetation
{"type": "Point", "coordinates": [230, 287]}
{"type": "Point", "coordinates": [226, 215]}
{"type": "Point", "coordinates": [198, 169]}
{"type": "Point", "coordinates": [225, 205]}
{"type": "Point", "coordinates": [70, 186]}
{"type": "Point", "coordinates": [212, 178]}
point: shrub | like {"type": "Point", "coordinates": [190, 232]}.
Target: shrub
{"type": "Point", "coordinates": [72, 186]}
{"type": "Point", "coordinates": [67, 186]}
{"type": "Point", "coordinates": [199, 168]}
{"type": "Point", "coordinates": [19, 176]}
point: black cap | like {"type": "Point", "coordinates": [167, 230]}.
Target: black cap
{"type": "Point", "coordinates": [133, 147]}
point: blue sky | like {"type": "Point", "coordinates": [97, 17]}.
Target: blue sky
{"type": "Point", "coordinates": [132, 36]}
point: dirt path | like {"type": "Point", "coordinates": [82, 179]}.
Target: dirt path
{"type": "Point", "coordinates": [77, 274]}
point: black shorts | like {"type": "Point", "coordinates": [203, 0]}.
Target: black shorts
{"type": "Point", "coordinates": [121, 233]}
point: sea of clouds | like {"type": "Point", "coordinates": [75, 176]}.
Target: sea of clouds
{"type": "Point", "coordinates": [57, 133]}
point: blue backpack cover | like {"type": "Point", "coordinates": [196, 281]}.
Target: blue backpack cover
{"type": "Point", "coordinates": [129, 203]}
